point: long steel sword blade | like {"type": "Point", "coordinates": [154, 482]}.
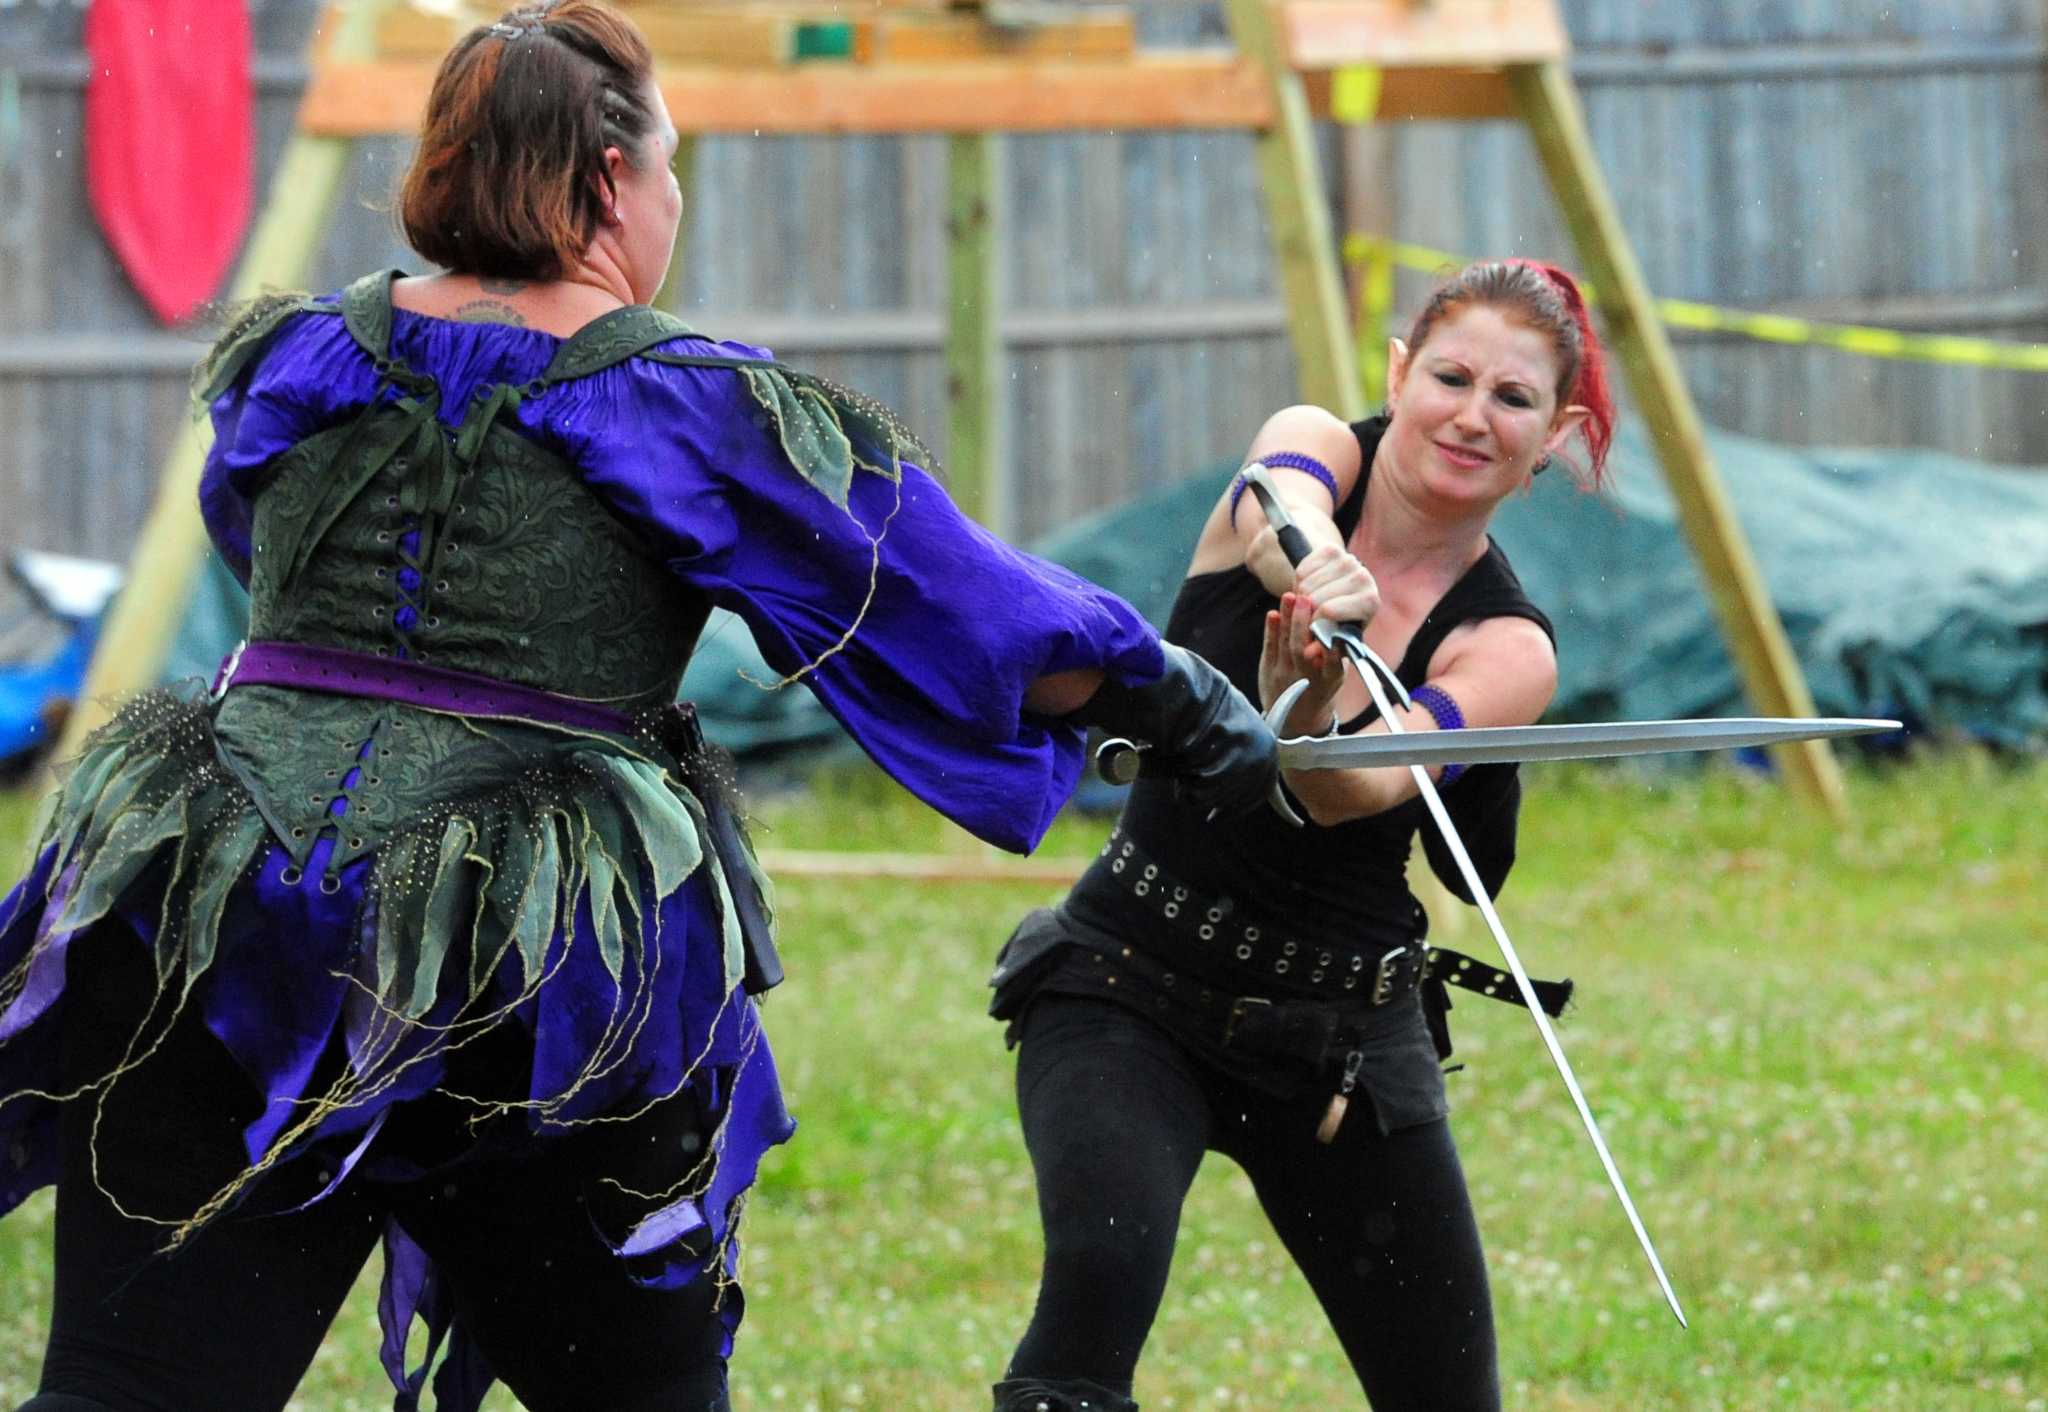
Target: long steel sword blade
{"type": "Point", "coordinates": [1514, 960]}
{"type": "Point", "coordinates": [1579, 741]}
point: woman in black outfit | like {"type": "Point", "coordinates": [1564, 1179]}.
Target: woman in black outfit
{"type": "Point", "coordinates": [1263, 991]}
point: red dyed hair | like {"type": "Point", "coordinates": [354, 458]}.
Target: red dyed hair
{"type": "Point", "coordinates": [1547, 299]}
{"type": "Point", "coordinates": [509, 178]}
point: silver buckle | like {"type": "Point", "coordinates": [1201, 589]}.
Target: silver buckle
{"type": "Point", "coordinates": [1383, 976]}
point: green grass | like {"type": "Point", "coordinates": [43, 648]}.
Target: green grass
{"type": "Point", "coordinates": [1821, 1058]}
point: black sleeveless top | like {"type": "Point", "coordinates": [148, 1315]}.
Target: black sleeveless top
{"type": "Point", "coordinates": [1346, 883]}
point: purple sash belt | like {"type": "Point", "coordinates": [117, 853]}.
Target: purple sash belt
{"type": "Point", "coordinates": [305, 666]}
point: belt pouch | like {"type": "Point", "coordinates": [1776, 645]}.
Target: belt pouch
{"type": "Point", "coordinates": [1025, 960]}
{"type": "Point", "coordinates": [1299, 1030]}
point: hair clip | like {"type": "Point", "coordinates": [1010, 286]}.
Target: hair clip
{"type": "Point", "coordinates": [509, 32]}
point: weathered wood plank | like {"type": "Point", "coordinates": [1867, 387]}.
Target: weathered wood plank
{"type": "Point", "coordinates": [1395, 34]}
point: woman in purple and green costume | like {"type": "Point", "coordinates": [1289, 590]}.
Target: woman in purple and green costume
{"type": "Point", "coordinates": [431, 923]}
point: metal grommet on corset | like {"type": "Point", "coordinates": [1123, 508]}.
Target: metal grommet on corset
{"type": "Point", "coordinates": [290, 874]}
{"type": "Point", "coordinates": [1244, 953]}
{"type": "Point", "coordinates": [1252, 934]}
{"type": "Point", "coordinates": [1208, 933]}
{"type": "Point", "coordinates": [1172, 910]}
{"type": "Point", "coordinates": [1289, 948]}
{"type": "Point", "coordinates": [1141, 887]}
{"type": "Point", "coordinates": [1117, 866]}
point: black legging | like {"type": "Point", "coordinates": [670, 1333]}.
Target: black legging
{"type": "Point", "coordinates": [1117, 1117]}
{"type": "Point", "coordinates": [231, 1320]}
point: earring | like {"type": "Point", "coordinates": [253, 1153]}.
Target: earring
{"type": "Point", "coordinates": [1541, 466]}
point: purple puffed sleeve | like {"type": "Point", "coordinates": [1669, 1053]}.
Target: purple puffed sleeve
{"type": "Point", "coordinates": [921, 630]}
{"type": "Point", "coordinates": [307, 371]}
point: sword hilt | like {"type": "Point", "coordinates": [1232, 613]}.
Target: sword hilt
{"type": "Point", "coordinates": [1348, 638]}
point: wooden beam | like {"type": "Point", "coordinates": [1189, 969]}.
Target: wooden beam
{"type": "Point", "coordinates": [1396, 34]}
{"type": "Point", "coordinates": [1189, 90]}
{"type": "Point", "coordinates": [1298, 211]}
{"type": "Point", "coordinates": [964, 36]}
{"type": "Point", "coordinates": [1161, 90]}
{"type": "Point", "coordinates": [683, 166]}
{"type": "Point", "coordinates": [973, 348]}
{"type": "Point", "coordinates": [143, 620]}
{"type": "Point", "coordinates": [1749, 622]}
{"type": "Point", "coordinates": [1427, 95]}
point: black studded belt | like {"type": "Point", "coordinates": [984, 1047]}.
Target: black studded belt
{"type": "Point", "coordinates": [1229, 944]}
{"type": "Point", "coordinates": [1233, 950]}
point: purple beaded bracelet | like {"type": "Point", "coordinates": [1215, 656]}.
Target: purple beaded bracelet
{"type": "Point", "coordinates": [1287, 460]}
{"type": "Point", "coordinates": [1444, 710]}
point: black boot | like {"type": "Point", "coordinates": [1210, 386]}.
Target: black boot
{"type": "Point", "coordinates": [1058, 1395]}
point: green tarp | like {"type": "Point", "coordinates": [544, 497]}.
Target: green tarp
{"type": "Point", "coordinates": [1911, 584]}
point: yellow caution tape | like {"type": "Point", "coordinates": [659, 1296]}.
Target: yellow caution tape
{"type": "Point", "coordinates": [1377, 258]}
{"type": "Point", "coordinates": [1354, 95]}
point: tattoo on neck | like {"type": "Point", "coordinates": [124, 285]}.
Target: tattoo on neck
{"type": "Point", "coordinates": [488, 311]}
{"type": "Point", "coordinates": [493, 284]}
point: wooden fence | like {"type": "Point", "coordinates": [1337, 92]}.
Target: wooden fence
{"type": "Point", "coordinates": [1835, 157]}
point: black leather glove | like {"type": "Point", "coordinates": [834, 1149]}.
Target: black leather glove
{"type": "Point", "coordinates": [1201, 730]}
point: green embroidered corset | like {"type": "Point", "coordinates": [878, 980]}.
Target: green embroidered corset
{"type": "Point", "coordinates": [480, 550]}
{"type": "Point", "coordinates": [475, 549]}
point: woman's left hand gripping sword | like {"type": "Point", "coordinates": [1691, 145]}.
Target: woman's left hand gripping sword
{"type": "Point", "coordinates": [1117, 761]}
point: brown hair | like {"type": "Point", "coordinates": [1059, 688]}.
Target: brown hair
{"type": "Point", "coordinates": [509, 179]}
{"type": "Point", "coordinates": [1546, 299]}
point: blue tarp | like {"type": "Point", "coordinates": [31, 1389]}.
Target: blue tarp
{"type": "Point", "coordinates": [1911, 584]}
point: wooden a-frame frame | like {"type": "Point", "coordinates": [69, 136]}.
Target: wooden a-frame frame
{"type": "Point", "coordinates": [1435, 59]}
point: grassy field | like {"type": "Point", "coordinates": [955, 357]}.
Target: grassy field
{"type": "Point", "coordinates": [1821, 1058]}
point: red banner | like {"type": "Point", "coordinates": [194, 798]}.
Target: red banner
{"type": "Point", "coordinates": [170, 135]}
